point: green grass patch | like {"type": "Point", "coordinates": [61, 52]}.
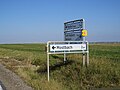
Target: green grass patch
{"type": "Point", "coordinates": [29, 62]}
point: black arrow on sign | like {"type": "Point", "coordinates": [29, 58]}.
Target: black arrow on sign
{"type": "Point", "coordinates": [53, 47]}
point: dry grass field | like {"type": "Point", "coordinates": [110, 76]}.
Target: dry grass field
{"type": "Point", "coordinates": [29, 62]}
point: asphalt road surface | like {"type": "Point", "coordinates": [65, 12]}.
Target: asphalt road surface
{"type": "Point", "coordinates": [10, 81]}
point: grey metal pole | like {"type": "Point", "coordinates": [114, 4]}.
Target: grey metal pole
{"type": "Point", "coordinates": [87, 58]}
{"type": "Point", "coordinates": [64, 40]}
{"type": "Point", "coordinates": [64, 57]}
{"type": "Point", "coordinates": [87, 54]}
{"type": "Point", "coordinates": [83, 59]}
{"type": "Point", "coordinates": [48, 71]}
{"type": "Point", "coordinates": [84, 43]}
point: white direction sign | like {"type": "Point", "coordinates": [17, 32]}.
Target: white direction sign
{"type": "Point", "coordinates": [67, 47]}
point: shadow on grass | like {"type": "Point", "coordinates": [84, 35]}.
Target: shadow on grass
{"type": "Point", "coordinates": [54, 67]}
{"type": "Point", "coordinates": [55, 57]}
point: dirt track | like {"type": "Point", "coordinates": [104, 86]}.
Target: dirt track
{"type": "Point", "coordinates": [11, 81]}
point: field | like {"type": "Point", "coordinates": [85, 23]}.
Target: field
{"type": "Point", "coordinates": [29, 62]}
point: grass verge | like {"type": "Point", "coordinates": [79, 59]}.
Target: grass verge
{"type": "Point", "coordinates": [29, 62]}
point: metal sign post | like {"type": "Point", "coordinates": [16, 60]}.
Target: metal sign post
{"type": "Point", "coordinates": [48, 66]}
{"type": "Point", "coordinates": [74, 42]}
{"type": "Point", "coordinates": [48, 62]}
{"type": "Point", "coordinates": [65, 47]}
{"type": "Point", "coordinates": [64, 57]}
{"type": "Point", "coordinates": [75, 31]}
{"type": "Point", "coordinates": [83, 42]}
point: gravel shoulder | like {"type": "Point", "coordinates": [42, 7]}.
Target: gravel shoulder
{"type": "Point", "coordinates": [11, 81]}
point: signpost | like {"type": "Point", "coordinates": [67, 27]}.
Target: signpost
{"type": "Point", "coordinates": [74, 42]}
{"type": "Point", "coordinates": [67, 47]}
{"type": "Point", "coordinates": [73, 30]}
{"type": "Point", "coordinates": [74, 25]}
{"type": "Point", "coordinates": [73, 36]}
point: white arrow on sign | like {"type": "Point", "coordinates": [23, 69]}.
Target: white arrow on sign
{"type": "Point", "coordinates": [67, 47]}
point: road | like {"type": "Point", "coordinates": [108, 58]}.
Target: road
{"type": "Point", "coordinates": [10, 81]}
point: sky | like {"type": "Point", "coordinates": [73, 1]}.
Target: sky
{"type": "Point", "coordinates": [31, 21]}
